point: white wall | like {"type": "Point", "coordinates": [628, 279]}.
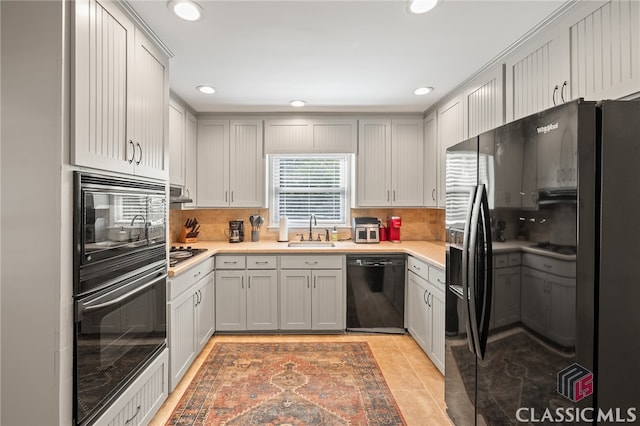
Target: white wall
{"type": "Point", "coordinates": [34, 129]}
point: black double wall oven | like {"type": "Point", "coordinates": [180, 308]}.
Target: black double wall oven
{"type": "Point", "coordinates": [120, 273]}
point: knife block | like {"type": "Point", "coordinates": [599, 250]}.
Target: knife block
{"type": "Point", "coordinates": [187, 236]}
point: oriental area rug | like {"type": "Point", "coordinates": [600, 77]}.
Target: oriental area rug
{"type": "Point", "coordinates": [288, 384]}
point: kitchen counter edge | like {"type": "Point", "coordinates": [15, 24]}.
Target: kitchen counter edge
{"type": "Point", "coordinates": [429, 251]}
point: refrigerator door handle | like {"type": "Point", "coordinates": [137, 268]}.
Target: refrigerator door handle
{"type": "Point", "coordinates": [487, 279]}
{"type": "Point", "coordinates": [473, 241]}
{"type": "Point", "coordinates": [465, 271]}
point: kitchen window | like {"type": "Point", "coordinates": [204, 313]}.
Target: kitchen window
{"type": "Point", "coordinates": [128, 207]}
{"type": "Point", "coordinates": [302, 185]}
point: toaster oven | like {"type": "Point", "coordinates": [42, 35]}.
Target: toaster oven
{"type": "Point", "coordinates": [366, 230]}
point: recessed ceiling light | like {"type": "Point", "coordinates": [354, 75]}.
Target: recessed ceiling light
{"type": "Point", "coordinates": [208, 90]}
{"type": "Point", "coordinates": [186, 9]}
{"type": "Point", "coordinates": [421, 6]}
{"type": "Point", "coordinates": [297, 104]}
{"type": "Point", "coordinates": [422, 91]}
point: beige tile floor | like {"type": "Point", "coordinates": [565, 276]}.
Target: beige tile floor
{"type": "Point", "coordinates": [416, 384]}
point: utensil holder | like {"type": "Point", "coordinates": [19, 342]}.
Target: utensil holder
{"type": "Point", "coordinates": [188, 236]}
{"type": "Point", "coordinates": [255, 236]}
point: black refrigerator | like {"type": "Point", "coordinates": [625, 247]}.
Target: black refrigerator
{"type": "Point", "coordinates": [553, 337]}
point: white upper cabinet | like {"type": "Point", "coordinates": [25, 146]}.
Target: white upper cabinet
{"type": "Point", "coordinates": [230, 163]}
{"type": "Point", "coordinates": [191, 155]}
{"type": "Point", "coordinates": [484, 102]}
{"type": "Point", "coordinates": [538, 75]}
{"type": "Point", "coordinates": [121, 94]}
{"type": "Point", "coordinates": [246, 164]}
{"type": "Point", "coordinates": [591, 52]}
{"type": "Point", "coordinates": [213, 163]}
{"type": "Point", "coordinates": [450, 132]}
{"type": "Point", "coordinates": [407, 165]}
{"type": "Point", "coordinates": [605, 52]}
{"type": "Point", "coordinates": [310, 135]}
{"type": "Point", "coordinates": [390, 163]}
{"type": "Point", "coordinates": [103, 68]}
{"type": "Point", "coordinates": [151, 100]}
{"type": "Point", "coordinates": [176, 144]}
{"type": "Point", "coordinates": [430, 161]}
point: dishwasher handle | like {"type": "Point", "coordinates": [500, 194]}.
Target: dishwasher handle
{"type": "Point", "coordinates": [375, 263]}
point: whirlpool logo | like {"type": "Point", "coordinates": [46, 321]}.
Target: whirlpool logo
{"type": "Point", "coordinates": [575, 382]}
{"type": "Point", "coordinates": [547, 128]}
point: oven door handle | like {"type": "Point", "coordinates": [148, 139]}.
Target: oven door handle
{"type": "Point", "coordinates": [93, 308]}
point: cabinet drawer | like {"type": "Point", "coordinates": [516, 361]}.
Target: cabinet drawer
{"type": "Point", "coordinates": [437, 277]}
{"type": "Point", "coordinates": [311, 262]}
{"type": "Point", "coordinates": [181, 282]}
{"type": "Point", "coordinates": [142, 399]}
{"type": "Point", "coordinates": [230, 262]}
{"type": "Point", "coordinates": [514, 259]}
{"type": "Point", "coordinates": [500, 261]}
{"type": "Point", "coordinates": [418, 267]}
{"type": "Point", "coordinates": [559, 267]}
{"type": "Point", "coordinates": [262, 262]}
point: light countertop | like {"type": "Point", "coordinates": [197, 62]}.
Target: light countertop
{"type": "Point", "coordinates": [430, 251]}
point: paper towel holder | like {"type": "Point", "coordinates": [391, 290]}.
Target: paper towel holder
{"type": "Point", "coordinates": [283, 235]}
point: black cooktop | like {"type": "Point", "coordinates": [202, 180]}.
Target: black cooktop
{"type": "Point", "coordinates": [557, 248]}
{"type": "Point", "coordinates": [181, 253]}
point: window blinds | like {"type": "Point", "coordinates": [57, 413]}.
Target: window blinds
{"type": "Point", "coordinates": [305, 185]}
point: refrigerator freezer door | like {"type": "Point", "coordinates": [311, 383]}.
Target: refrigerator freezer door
{"type": "Point", "coordinates": [619, 292]}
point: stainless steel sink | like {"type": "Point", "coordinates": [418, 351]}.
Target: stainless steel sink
{"type": "Point", "coordinates": [311, 244]}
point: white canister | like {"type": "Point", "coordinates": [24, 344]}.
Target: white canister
{"type": "Point", "coordinates": [284, 229]}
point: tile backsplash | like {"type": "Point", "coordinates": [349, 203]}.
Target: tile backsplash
{"type": "Point", "coordinates": [417, 223]}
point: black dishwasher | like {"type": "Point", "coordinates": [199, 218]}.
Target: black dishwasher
{"type": "Point", "coordinates": [375, 293]}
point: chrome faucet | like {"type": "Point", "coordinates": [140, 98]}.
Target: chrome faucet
{"type": "Point", "coordinates": [143, 220]}
{"type": "Point", "coordinates": [138, 216]}
{"type": "Point", "coordinates": [312, 218]}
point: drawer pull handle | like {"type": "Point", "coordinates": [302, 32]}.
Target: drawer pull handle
{"type": "Point", "coordinates": [440, 281]}
{"type": "Point", "coordinates": [311, 263]}
{"type": "Point", "coordinates": [134, 416]}
{"type": "Point", "coordinates": [262, 263]}
{"type": "Point", "coordinates": [226, 262]}
{"type": "Point", "coordinates": [416, 267]}
{"type": "Point", "coordinates": [197, 275]}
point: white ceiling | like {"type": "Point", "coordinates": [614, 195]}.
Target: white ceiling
{"type": "Point", "coordinates": [339, 56]}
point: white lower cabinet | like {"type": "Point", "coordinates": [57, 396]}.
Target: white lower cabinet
{"type": "Point", "coordinates": [312, 292]}
{"type": "Point", "coordinates": [191, 317]}
{"type": "Point", "coordinates": [231, 301]}
{"type": "Point", "coordinates": [295, 300]}
{"type": "Point", "coordinates": [262, 300]}
{"type": "Point", "coordinates": [142, 399]}
{"type": "Point", "coordinates": [506, 290]}
{"type": "Point", "coordinates": [426, 308]}
{"type": "Point", "coordinates": [246, 298]}
{"type": "Point", "coordinates": [548, 299]}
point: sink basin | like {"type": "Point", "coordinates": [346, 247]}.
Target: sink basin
{"type": "Point", "coordinates": [311, 244]}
